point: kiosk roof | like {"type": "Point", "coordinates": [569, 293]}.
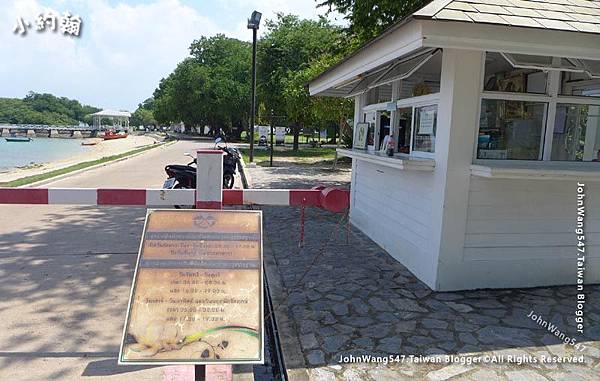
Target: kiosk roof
{"type": "Point", "coordinates": [568, 15]}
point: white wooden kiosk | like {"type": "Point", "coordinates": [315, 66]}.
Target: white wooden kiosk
{"type": "Point", "coordinates": [494, 107]}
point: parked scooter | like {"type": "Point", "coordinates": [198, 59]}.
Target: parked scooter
{"type": "Point", "coordinates": [184, 176]}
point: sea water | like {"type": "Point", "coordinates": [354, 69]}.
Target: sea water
{"type": "Point", "coordinates": [38, 150]}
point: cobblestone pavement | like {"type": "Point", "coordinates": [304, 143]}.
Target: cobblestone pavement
{"type": "Point", "coordinates": [336, 298]}
{"type": "Point", "coordinates": [298, 176]}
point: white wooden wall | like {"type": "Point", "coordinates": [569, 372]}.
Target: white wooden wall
{"type": "Point", "coordinates": [521, 233]}
{"type": "Point", "coordinates": [393, 208]}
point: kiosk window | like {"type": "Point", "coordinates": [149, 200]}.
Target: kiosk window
{"type": "Point", "coordinates": [370, 119]}
{"type": "Point", "coordinates": [576, 134]}
{"type": "Point", "coordinates": [501, 76]}
{"type": "Point", "coordinates": [384, 127]}
{"type": "Point", "coordinates": [425, 127]}
{"type": "Point", "coordinates": [579, 85]}
{"type": "Point", "coordinates": [404, 129]}
{"type": "Point", "coordinates": [511, 130]}
{"type": "Point", "coordinates": [558, 120]}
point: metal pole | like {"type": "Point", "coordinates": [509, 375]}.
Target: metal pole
{"type": "Point", "coordinates": [271, 161]}
{"type": "Point", "coordinates": [252, 115]}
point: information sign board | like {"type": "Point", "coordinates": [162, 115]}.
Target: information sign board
{"type": "Point", "coordinates": [197, 295]}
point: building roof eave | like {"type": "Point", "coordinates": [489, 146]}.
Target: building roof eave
{"type": "Point", "coordinates": [577, 34]}
{"type": "Point", "coordinates": [369, 43]}
{"type": "Point", "coordinates": [406, 39]}
{"type": "Point", "coordinates": [510, 39]}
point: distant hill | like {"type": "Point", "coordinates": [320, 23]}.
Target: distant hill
{"type": "Point", "coordinates": [44, 109]}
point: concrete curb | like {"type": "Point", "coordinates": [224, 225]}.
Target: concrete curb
{"type": "Point", "coordinates": [66, 175]}
{"type": "Point", "coordinates": [290, 343]}
{"type": "Point", "coordinates": [246, 179]}
{"type": "Point", "coordinates": [295, 366]}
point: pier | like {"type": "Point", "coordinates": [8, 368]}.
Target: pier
{"type": "Point", "coordinates": [42, 130]}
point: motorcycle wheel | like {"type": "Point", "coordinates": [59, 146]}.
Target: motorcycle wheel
{"type": "Point", "coordinates": [228, 181]}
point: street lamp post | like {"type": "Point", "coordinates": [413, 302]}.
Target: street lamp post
{"type": "Point", "coordinates": [271, 160]}
{"type": "Point", "coordinates": [253, 23]}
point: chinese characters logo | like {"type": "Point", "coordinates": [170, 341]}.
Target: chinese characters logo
{"type": "Point", "coordinates": [67, 23]}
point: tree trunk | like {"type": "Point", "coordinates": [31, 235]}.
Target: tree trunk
{"type": "Point", "coordinates": [336, 131]}
{"type": "Point", "coordinates": [296, 137]}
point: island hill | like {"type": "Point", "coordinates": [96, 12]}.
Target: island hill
{"type": "Point", "coordinates": [44, 109]}
{"type": "Point", "coordinates": [48, 109]}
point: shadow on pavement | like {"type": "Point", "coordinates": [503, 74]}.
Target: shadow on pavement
{"type": "Point", "coordinates": [109, 367]}
{"type": "Point", "coordinates": [64, 284]}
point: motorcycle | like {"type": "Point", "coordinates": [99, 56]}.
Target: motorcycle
{"type": "Point", "coordinates": [184, 176]}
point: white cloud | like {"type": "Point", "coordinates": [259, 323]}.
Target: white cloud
{"type": "Point", "coordinates": [124, 50]}
{"type": "Point", "coordinates": [269, 8]}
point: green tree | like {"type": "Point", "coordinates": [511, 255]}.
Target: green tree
{"type": "Point", "coordinates": [227, 93]}
{"type": "Point", "coordinates": [285, 55]}
{"type": "Point", "coordinates": [209, 88]}
{"type": "Point", "coordinates": [368, 18]}
{"type": "Point", "coordinates": [179, 97]}
{"type": "Point", "coordinates": [44, 109]}
{"type": "Point", "coordinates": [164, 111]}
{"type": "Point", "coordinates": [320, 112]}
{"type": "Point", "coordinates": [144, 114]}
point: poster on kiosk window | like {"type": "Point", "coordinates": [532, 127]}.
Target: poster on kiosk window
{"type": "Point", "coordinates": [360, 135]}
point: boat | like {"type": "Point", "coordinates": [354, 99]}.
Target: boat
{"type": "Point", "coordinates": [110, 135]}
{"type": "Point", "coordinates": [18, 139]}
{"type": "Point", "coordinates": [89, 142]}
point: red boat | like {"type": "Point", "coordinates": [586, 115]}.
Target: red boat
{"type": "Point", "coordinates": [110, 135]}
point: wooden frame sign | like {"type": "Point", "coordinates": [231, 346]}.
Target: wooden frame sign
{"type": "Point", "coordinates": [197, 294]}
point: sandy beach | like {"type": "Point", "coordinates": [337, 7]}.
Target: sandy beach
{"type": "Point", "coordinates": [101, 149]}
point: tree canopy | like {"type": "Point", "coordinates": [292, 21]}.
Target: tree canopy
{"type": "Point", "coordinates": [211, 87]}
{"type": "Point", "coordinates": [44, 109]}
{"type": "Point", "coordinates": [289, 55]}
{"type": "Point", "coordinates": [144, 114]}
{"type": "Point", "coordinates": [368, 18]}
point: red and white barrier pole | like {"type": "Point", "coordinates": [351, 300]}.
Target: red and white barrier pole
{"type": "Point", "coordinates": [331, 199]}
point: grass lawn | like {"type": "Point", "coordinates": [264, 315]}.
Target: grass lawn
{"type": "Point", "coordinates": [57, 172]}
{"type": "Point", "coordinates": [302, 156]}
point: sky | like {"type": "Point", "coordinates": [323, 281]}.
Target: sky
{"type": "Point", "coordinates": [124, 47]}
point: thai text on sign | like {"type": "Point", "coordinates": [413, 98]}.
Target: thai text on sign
{"type": "Point", "coordinates": [197, 291]}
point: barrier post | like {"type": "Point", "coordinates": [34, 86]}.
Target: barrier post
{"type": "Point", "coordinates": [209, 179]}
{"type": "Point", "coordinates": [209, 195]}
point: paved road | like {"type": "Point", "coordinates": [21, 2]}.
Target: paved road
{"type": "Point", "coordinates": [65, 274]}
